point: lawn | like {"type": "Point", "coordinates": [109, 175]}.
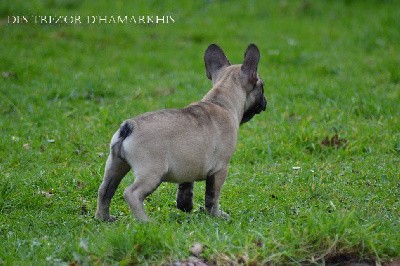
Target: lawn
{"type": "Point", "coordinates": [315, 178]}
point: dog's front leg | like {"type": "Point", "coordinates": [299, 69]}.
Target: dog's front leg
{"type": "Point", "coordinates": [184, 197]}
{"type": "Point", "coordinates": [213, 188]}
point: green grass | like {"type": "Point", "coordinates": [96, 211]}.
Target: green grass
{"type": "Point", "coordinates": [330, 67]}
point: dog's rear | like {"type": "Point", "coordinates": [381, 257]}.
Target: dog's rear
{"type": "Point", "coordinates": [116, 168]}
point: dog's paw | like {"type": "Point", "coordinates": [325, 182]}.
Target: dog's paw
{"type": "Point", "coordinates": [111, 219]}
{"type": "Point", "coordinates": [105, 218]}
{"type": "Point", "coordinates": [220, 214]}
{"type": "Point", "coordinates": [223, 215]}
{"type": "Point", "coordinates": [184, 206]}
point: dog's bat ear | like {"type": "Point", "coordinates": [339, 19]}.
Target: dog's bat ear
{"type": "Point", "coordinates": [250, 63]}
{"type": "Point", "coordinates": [215, 59]}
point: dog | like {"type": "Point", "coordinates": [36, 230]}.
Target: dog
{"type": "Point", "coordinates": [185, 145]}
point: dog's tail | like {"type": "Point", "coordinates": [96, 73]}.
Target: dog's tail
{"type": "Point", "coordinates": [124, 131]}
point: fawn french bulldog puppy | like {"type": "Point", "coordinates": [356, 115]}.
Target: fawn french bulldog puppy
{"type": "Point", "coordinates": [185, 145]}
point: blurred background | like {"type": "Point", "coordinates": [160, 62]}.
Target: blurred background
{"type": "Point", "coordinates": [321, 60]}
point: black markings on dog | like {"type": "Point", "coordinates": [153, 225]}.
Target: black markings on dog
{"type": "Point", "coordinates": [125, 130]}
{"type": "Point", "coordinates": [210, 193]}
{"type": "Point", "coordinates": [184, 197]}
{"type": "Point", "coordinates": [256, 108]}
{"type": "Point", "coordinates": [249, 66]}
{"type": "Point", "coordinates": [253, 110]}
{"type": "Point", "coordinates": [214, 59]}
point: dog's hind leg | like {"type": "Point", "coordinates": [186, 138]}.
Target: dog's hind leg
{"type": "Point", "coordinates": [184, 197]}
{"type": "Point", "coordinates": [116, 168]}
{"type": "Point", "coordinates": [135, 194]}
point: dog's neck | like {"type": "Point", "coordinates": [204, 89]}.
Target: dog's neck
{"type": "Point", "coordinates": [231, 99]}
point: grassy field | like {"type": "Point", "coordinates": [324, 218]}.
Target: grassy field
{"type": "Point", "coordinates": [296, 194]}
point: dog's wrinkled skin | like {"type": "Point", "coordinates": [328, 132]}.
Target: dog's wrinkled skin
{"type": "Point", "coordinates": [186, 145]}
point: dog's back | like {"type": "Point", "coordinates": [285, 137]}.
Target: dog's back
{"type": "Point", "coordinates": [166, 141]}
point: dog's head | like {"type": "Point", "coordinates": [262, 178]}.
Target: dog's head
{"type": "Point", "coordinates": [218, 68]}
